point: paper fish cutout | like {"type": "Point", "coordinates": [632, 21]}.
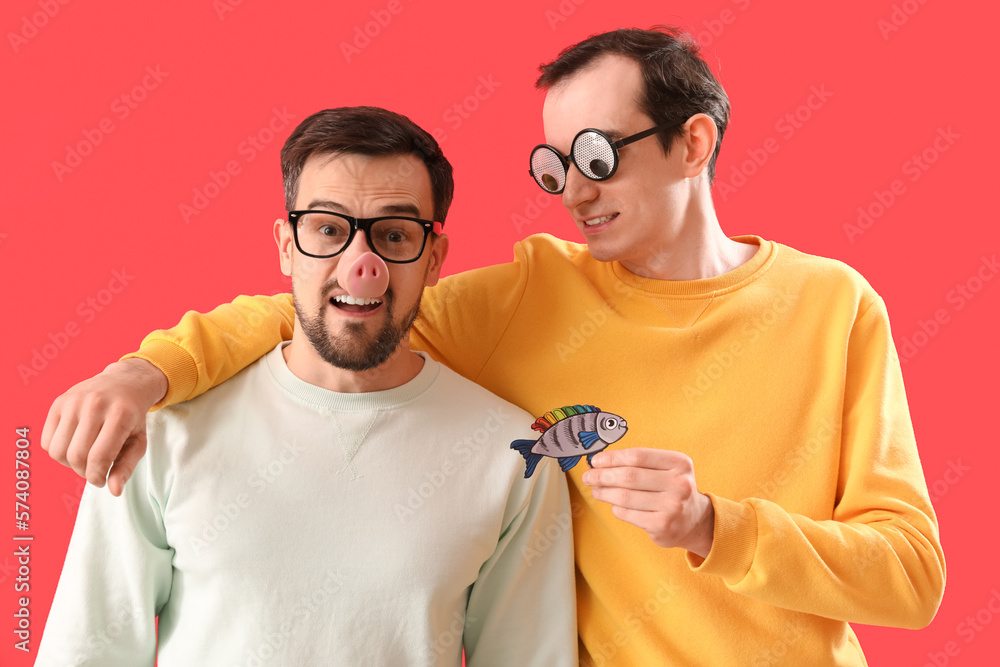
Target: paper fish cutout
{"type": "Point", "coordinates": [570, 433]}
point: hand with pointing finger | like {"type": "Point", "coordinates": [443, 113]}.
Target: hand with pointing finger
{"type": "Point", "coordinates": [99, 425]}
{"type": "Point", "coordinates": [655, 490]}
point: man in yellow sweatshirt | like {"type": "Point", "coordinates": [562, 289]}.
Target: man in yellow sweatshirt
{"type": "Point", "coordinates": [768, 490]}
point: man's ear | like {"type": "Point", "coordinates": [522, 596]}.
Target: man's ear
{"type": "Point", "coordinates": [286, 244]}
{"type": "Point", "coordinates": [438, 252]}
{"type": "Point", "coordinates": [699, 144]}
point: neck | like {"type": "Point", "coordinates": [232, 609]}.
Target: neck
{"type": "Point", "coordinates": [305, 363]}
{"type": "Point", "coordinates": [696, 249]}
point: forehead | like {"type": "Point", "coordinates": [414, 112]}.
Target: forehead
{"type": "Point", "coordinates": [364, 183]}
{"type": "Point", "coordinates": [604, 96]}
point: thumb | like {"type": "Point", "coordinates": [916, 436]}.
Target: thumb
{"type": "Point", "coordinates": [132, 451]}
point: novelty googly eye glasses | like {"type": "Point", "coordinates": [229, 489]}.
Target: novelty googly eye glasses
{"type": "Point", "coordinates": [593, 152]}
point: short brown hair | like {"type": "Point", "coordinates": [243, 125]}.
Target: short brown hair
{"type": "Point", "coordinates": [365, 131]}
{"type": "Point", "coordinates": [677, 82]}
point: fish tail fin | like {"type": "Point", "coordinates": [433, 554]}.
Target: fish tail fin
{"type": "Point", "coordinates": [530, 458]}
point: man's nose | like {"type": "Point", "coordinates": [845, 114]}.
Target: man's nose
{"type": "Point", "coordinates": [357, 246]}
{"type": "Point", "coordinates": [360, 271]}
{"type": "Point", "coordinates": [579, 188]}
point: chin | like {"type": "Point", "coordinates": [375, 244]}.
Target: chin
{"type": "Point", "coordinates": [634, 260]}
{"type": "Point", "coordinates": [603, 250]}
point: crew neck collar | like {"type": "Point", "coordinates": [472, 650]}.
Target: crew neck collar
{"type": "Point", "coordinates": [326, 399]}
{"type": "Point", "coordinates": [729, 281]}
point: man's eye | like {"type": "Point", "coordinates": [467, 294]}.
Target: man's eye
{"type": "Point", "coordinates": [329, 230]}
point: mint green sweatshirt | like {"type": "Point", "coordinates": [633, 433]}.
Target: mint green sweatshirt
{"type": "Point", "coordinates": [273, 522]}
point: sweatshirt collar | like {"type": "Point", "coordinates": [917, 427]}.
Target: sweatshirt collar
{"type": "Point", "coordinates": [350, 402]}
{"type": "Point", "coordinates": [726, 282]}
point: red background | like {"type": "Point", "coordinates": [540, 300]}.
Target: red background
{"type": "Point", "coordinates": [891, 86]}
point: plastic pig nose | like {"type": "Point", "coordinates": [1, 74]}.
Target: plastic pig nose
{"type": "Point", "coordinates": [367, 277]}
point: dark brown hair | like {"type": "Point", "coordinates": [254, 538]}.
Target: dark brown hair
{"type": "Point", "coordinates": [365, 131]}
{"type": "Point", "coordinates": [677, 82]}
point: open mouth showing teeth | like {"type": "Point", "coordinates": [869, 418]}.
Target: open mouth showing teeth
{"type": "Point", "coordinates": [351, 304]}
{"type": "Point", "coordinates": [601, 220]}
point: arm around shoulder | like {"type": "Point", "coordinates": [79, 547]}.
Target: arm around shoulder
{"type": "Point", "coordinates": [100, 423]}
{"type": "Point", "coordinates": [206, 349]}
{"type": "Point", "coordinates": [464, 316]}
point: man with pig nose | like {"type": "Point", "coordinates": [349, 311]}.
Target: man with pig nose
{"type": "Point", "coordinates": [375, 513]}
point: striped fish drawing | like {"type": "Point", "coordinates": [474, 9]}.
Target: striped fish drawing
{"type": "Point", "coordinates": [570, 433]}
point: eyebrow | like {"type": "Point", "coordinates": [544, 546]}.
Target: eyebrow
{"type": "Point", "coordinates": [326, 203]}
{"type": "Point", "coordinates": [615, 135]}
{"type": "Point", "coordinates": [402, 209]}
{"type": "Point", "coordinates": [389, 209]}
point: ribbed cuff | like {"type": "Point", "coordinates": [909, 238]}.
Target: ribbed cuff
{"type": "Point", "coordinates": [176, 363]}
{"type": "Point", "coordinates": [734, 541]}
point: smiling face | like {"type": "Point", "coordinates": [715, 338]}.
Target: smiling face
{"type": "Point", "coordinates": [639, 211]}
{"type": "Point", "coordinates": [347, 334]}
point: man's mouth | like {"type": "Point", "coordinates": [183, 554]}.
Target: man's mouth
{"type": "Point", "coordinates": [349, 304]}
{"type": "Point", "coordinates": [594, 222]}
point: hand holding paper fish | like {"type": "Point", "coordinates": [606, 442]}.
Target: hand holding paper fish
{"type": "Point", "coordinates": [655, 490]}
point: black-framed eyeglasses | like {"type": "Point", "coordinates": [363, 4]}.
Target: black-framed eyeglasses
{"type": "Point", "coordinates": [592, 151]}
{"type": "Point", "coordinates": [394, 238]}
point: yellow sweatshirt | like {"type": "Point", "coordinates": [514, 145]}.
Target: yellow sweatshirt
{"type": "Point", "coordinates": [779, 379]}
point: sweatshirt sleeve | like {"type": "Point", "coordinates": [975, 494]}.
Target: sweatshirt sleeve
{"type": "Point", "coordinates": [879, 560]}
{"type": "Point", "coordinates": [522, 608]}
{"type": "Point", "coordinates": [461, 322]}
{"type": "Point", "coordinates": [206, 349]}
{"type": "Point", "coordinates": [116, 578]}
{"type": "Point", "coordinates": [463, 318]}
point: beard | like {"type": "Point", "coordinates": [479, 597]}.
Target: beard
{"type": "Point", "coordinates": [355, 349]}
